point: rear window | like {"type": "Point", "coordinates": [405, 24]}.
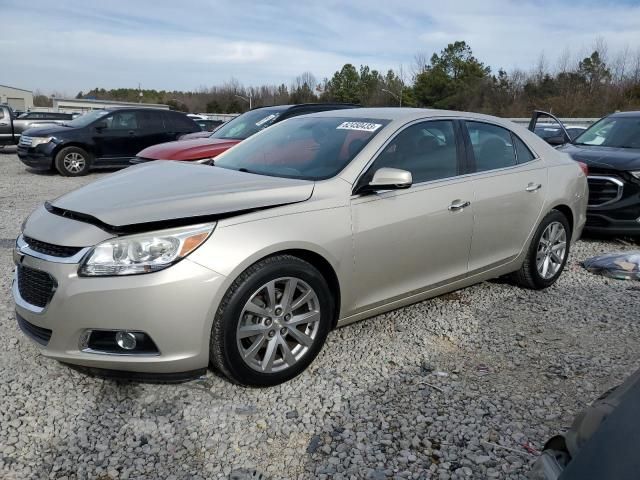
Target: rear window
{"type": "Point", "coordinates": [307, 148]}
{"type": "Point", "coordinates": [151, 121]}
{"type": "Point", "coordinates": [492, 146]}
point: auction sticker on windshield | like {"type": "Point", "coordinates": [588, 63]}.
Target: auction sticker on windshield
{"type": "Point", "coordinates": [361, 126]}
{"type": "Point", "coordinates": [266, 119]}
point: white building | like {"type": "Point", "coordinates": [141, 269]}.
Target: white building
{"type": "Point", "coordinates": [16, 98]}
{"type": "Point", "coordinates": [81, 105]}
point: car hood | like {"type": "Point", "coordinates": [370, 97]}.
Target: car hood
{"type": "Point", "coordinates": [172, 193]}
{"type": "Point", "coordinates": [604, 157]}
{"type": "Point", "coordinates": [50, 130]}
{"type": "Point", "coordinates": [194, 149]}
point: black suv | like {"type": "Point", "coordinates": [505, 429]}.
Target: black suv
{"type": "Point", "coordinates": [101, 138]}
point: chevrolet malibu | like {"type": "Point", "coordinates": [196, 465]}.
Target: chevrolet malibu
{"type": "Point", "coordinates": [314, 223]}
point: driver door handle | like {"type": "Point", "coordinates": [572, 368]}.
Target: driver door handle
{"type": "Point", "coordinates": [132, 132]}
{"type": "Point", "coordinates": [458, 205]}
{"type": "Point", "coordinates": [533, 187]}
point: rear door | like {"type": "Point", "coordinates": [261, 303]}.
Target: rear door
{"type": "Point", "coordinates": [408, 240]}
{"type": "Point", "coordinates": [152, 129]}
{"type": "Point", "coordinates": [509, 184]}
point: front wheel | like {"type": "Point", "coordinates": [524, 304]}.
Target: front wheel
{"type": "Point", "coordinates": [73, 162]}
{"type": "Point", "coordinates": [272, 322]}
{"type": "Point", "coordinates": [547, 253]}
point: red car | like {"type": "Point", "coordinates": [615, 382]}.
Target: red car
{"type": "Point", "coordinates": [203, 150]}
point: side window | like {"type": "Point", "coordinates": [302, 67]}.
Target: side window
{"type": "Point", "coordinates": [522, 151]}
{"type": "Point", "coordinates": [122, 121]}
{"type": "Point", "coordinates": [492, 146]}
{"type": "Point", "coordinates": [1, 113]}
{"type": "Point", "coordinates": [183, 123]}
{"type": "Point", "coordinates": [427, 150]}
{"type": "Point", "coordinates": [151, 121]}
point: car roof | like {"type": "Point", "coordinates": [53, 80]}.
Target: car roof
{"type": "Point", "coordinates": [633, 114]}
{"type": "Point", "coordinates": [294, 106]}
{"type": "Point", "coordinates": [403, 114]}
{"type": "Point", "coordinates": [137, 109]}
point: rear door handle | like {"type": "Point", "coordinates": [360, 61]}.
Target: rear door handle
{"type": "Point", "coordinates": [132, 132]}
{"type": "Point", "coordinates": [3, 124]}
{"type": "Point", "coordinates": [533, 187]}
{"type": "Point", "coordinates": [458, 205]}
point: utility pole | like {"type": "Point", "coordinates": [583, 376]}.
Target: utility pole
{"type": "Point", "coordinates": [246, 99]}
{"type": "Point", "coordinates": [399, 98]}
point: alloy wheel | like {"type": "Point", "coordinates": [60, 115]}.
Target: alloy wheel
{"type": "Point", "coordinates": [74, 162]}
{"type": "Point", "coordinates": [552, 249]}
{"type": "Point", "coordinates": [278, 324]}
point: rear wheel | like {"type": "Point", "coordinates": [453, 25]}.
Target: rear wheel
{"type": "Point", "coordinates": [272, 322]}
{"type": "Point", "coordinates": [72, 162]}
{"type": "Point", "coordinates": [547, 253]}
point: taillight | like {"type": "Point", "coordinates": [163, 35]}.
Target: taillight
{"type": "Point", "coordinates": [584, 167]}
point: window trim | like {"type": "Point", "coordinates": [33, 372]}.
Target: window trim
{"type": "Point", "coordinates": [515, 148]}
{"type": "Point", "coordinates": [461, 164]}
{"type": "Point", "coordinates": [471, 155]}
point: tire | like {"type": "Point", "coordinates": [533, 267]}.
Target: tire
{"type": "Point", "coordinates": [73, 162]}
{"type": "Point", "coordinates": [246, 310]}
{"type": "Point", "coordinates": [529, 275]}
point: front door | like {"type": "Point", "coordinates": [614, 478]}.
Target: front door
{"type": "Point", "coordinates": [509, 186]}
{"type": "Point", "coordinates": [408, 240]}
{"type": "Point", "coordinates": [120, 140]}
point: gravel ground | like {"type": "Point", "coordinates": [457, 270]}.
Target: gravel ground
{"type": "Point", "coordinates": [422, 392]}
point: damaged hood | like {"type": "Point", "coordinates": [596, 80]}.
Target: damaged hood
{"type": "Point", "coordinates": [164, 191]}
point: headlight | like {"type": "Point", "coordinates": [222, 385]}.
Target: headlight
{"type": "Point", "coordinates": [636, 174]}
{"type": "Point", "coordinates": [35, 141]}
{"type": "Point", "coordinates": [144, 253]}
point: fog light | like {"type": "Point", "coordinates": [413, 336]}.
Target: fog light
{"type": "Point", "coordinates": [126, 340]}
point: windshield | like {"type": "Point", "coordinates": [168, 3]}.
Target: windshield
{"type": "Point", "coordinates": [87, 118]}
{"type": "Point", "coordinates": [245, 125]}
{"type": "Point", "coordinates": [619, 132]}
{"type": "Point", "coordinates": [307, 148]}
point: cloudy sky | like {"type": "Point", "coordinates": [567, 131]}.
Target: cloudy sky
{"type": "Point", "coordinates": [72, 45]}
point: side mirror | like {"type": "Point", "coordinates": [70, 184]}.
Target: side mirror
{"type": "Point", "coordinates": [388, 179]}
{"type": "Point", "coordinates": [101, 125]}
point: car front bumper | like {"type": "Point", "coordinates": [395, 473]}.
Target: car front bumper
{"type": "Point", "coordinates": [603, 224]}
{"type": "Point", "coordinates": [36, 158]}
{"type": "Point", "coordinates": [175, 307]}
{"type": "Point", "coordinates": [615, 215]}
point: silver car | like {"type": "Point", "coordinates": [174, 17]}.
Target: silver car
{"type": "Point", "coordinates": [314, 223]}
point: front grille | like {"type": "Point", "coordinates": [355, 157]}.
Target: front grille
{"type": "Point", "coordinates": [25, 141]}
{"type": "Point", "coordinates": [50, 249]}
{"type": "Point", "coordinates": [38, 334]}
{"type": "Point", "coordinates": [35, 286]}
{"type": "Point", "coordinates": [604, 190]}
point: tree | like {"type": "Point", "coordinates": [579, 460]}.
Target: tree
{"type": "Point", "coordinates": [344, 86]}
{"type": "Point", "coordinates": [450, 78]}
{"type": "Point", "coordinates": [594, 71]}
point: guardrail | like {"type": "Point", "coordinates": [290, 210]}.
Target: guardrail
{"type": "Point", "coordinates": [580, 122]}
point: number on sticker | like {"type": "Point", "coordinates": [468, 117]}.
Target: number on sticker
{"type": "Point", "coordinates": [361, 126]}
